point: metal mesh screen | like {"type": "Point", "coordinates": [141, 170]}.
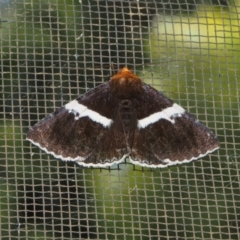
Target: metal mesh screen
{"type": "Point", "coordinates": [54, 50]}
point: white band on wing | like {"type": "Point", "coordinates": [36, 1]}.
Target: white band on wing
{"type": "Point", "coordinates": [168, 114]}
{"type": "Point", "coordinates": [80, 111]}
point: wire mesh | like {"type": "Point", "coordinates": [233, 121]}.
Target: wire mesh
{"type": "Point", "coordinates": [54, 50]}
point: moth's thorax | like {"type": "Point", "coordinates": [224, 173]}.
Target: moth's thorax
{"type": "Point", "coordinates": [127, 113]}
{"type": "Point", "coordinates": [125, 83]}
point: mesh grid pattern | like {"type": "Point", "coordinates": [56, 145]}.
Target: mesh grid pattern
{"type": "Point", "coordinates": [54, 50]}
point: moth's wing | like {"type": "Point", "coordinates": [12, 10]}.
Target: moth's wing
{"type": "Point", "coordinates": [176, 137]}
{"type": "Point", "coordinates": [86, 139]}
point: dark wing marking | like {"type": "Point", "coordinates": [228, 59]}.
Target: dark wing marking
{"type": "Point", "coordinates": [100, 100]}
{"type": "Point", "coordinates": [87, 142]}
{"type": "Point", "coordinates": [164, 143]}
{"type": "Point", "coordinates": [151, 101]}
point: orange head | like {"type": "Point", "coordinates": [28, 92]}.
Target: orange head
{"type": "Point", "coordinates": [125, 83]}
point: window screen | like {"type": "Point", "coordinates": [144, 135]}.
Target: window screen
{"type": "Point", "coordinates": [52, 51]}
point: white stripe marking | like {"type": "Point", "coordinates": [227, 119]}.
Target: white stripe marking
{"type": "Point", "coordinates": [169, 162]}
{"type": "Point", "coordinates": [80, 160]}
{"type": "Point", "coordinates": [80, 111]}
{"type": "Point", "coordinates": [171, 112]}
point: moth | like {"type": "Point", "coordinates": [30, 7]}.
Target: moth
{"type": "Point", "coordinates": [123, 118]}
